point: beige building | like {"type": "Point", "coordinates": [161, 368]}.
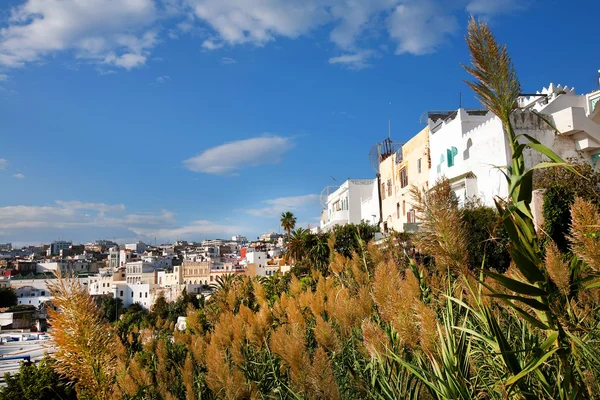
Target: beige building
{"type": "Point", "coordinates": [197, 273]}
{"type": "Point", "coordinates": [399, 173]}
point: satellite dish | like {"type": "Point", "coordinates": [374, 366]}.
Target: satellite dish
{"type": "Point", "coordinates": [374, 157]}
{"type": "Point", "coordinates": [383, 150]}
{"type": "Point", "coordinates": [325, 194]}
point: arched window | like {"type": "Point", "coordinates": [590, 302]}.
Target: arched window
{"type": "Point", "coordinates": [467, 152]}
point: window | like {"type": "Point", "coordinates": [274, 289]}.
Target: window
{"type": "Point", "coordinates": [403, 178]}
{"type": "Point", "coordinates": [382, 191]}
{"type": "Point", "coordinates": [43, 293]}
{"type": "Point", "coordinates": [121, 295]}
{"type": "Point", "coordinates": [451, 153]}
{"type": "Point", "coordinates": [398, 210]}
{"type": "Point", "coordinates": [403, 207]}
{"type": "Point", "coordinates": [410, 217]}
{"type": "Point", "coordinates": [419, 166]}
{"type": "Point", "coordinates": [389, 187]}
{"type": "Point", "coordinates": [146, 295]}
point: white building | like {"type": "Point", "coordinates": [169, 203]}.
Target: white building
{"type": "Point", "coordinates": [354, 201]}
{"type": "Point", "coordinates": [140, 272]}
{"type": "Point", "coordinates": [65, 266]}
{"type": "Point", "coordinates": [114, 256]}
{"type": "Point", "coordinates": [467, 145]}
{"type": "Point", "coordinates": [138, 247]}
{"type": "Point", "coordinates": [255, 263]}
{"type": "Point", "coordinates": [30, 295]}
{"type": "Point", "coordinates": [241, 240]}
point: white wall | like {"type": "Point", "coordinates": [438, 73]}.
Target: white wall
{"type": "Point", "coordinates": [480, 145]}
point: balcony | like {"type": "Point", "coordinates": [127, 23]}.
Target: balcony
{"type": "Point", "coordinates": [340, 217]}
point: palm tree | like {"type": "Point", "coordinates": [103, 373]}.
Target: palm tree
{"type": "Point", "coordinates": [288, 223]}
{"type": "Point", "coordinates": [298, 246]}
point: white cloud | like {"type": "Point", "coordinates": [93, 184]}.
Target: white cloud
{"type": "Point", "coordinates": [26, 224]}
{"type": "Point", "coordinates": [104, 31]}
{"type": "Point", "coordinates": [258, 21]}
{"type": "Point", "coordinates": [420, 27]}
{"type": "Point", "coordinates": [19, 176]}
{"type": "Point", "coordinates": [3, 77]}
{"type": "Point", "coordinates": [210, 44]}
{"type": "Point", "coordinates": [195, 230]}
{"type": "Point", "coordinates": [230, 157]}
{"type": "Point", "coordinates": [3, 164]}
{"type": "Point", "coordinates": [69, 214]}
{"type": "Point", "coordinates": [122, 33]}
{"type": "Point", "coordinates": [163, 79]}
{"type": "Point", "coordinates": [354, 61]}
{"type": "Point", "coordinates": [100, 207]}
{"type": "Point", "coordinates": [494, 7]}
{"type": "Point", "coordinates": [274, 207]}
{"type": "Point", "coordinates": [228, 60]}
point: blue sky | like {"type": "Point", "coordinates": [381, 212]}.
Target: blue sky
{"type": "Point", "coordinates": [187, 119]}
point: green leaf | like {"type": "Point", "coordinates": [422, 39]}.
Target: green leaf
{"type": "Point", "coordinates": [517, 286]}
{"type": "Point", "coordinates": [533, 303]}
{"type": "Point", "coordinates": [592, 285]}
{"type": "Point", "coordinates": [530, 367]}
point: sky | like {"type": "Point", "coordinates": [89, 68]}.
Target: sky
{"type": "Point", "coordinates": [160, 120]}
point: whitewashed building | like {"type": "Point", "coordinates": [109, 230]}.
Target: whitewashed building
{"type": "Point", "coordinates": [468, 146]}
{"type": "Point", "coordinates": [353, 201]}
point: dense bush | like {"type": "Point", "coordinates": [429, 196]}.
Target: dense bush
{"type": "Point", "coordinates": [561, 186]}
{"type": "Point", "coordinates": [487, 241]}
{"type": "Point", "coordinates": [36, 382]}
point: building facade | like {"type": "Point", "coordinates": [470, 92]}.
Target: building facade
{"type": "Point", "coordinates": [354, 201]}
{"type": "Point", "coordinates": [407, 167]}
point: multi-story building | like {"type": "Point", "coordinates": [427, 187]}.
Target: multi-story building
{"type": "Point", "coordinates": [140, 272]}
{"type": "Point", "coordinates": [468, 146]}
{"type": "Point", "coordinates": [407, 167]}
{"type": "Point", "coordinates": [57, 246]}
{"type": "Point", "coordinates": [240, 240]}
{"type": "Point", "coordinates": [353, 201]}
{"type": "Point", "coordinates": [270, 236]}
{"type": "Point", "coordinates": [138, 247]}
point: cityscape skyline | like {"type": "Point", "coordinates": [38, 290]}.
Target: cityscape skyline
{"type": "Point", "coordinates": [157, 121]}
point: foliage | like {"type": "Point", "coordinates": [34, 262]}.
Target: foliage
{"type": "Point", "coordinates": [87, 348]}
{"type": "Point", "coordinates": [36, 382]}
{"type": "Point", "coordinates": [111, 308]}
{"type": "Point", "coordinates": [487, 240]}
{"type": "Point", "coordinates": [8, 297]}
{"type": "Point", "coordinates": [161, 307]}
{"type": "Point", "coordinates": [288, 222]}
{"type": "Point", "coordinates": [561, 186]}
{"type": "Point", "coordinates": [348, 238]}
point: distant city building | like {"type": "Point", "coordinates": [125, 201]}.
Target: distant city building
{"type": "Point", "coordinates": [271, 236]}
{"type": "Point", "coordinates": [241, 240]}
{"type": "Point", "coordinates": [5, 246]}
{"type": "Point", "coordinates": [138, 247]}
{"type": "Point", "coordinates": [354, 201]}
{"type": "Point", "coordinates": [57, 246]}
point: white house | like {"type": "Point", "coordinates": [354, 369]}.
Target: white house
{"type": "Point", "coordinates": [468, 146]}
{"type": "Point", "coordinates": [353, 201]}
{"type": "Point", "coordinates": [29, 295]}
{"type": "Point", "coordinates": [138, 247]}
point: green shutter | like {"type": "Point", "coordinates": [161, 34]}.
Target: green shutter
{"type": "Point", "coordinates": [450, 158]}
